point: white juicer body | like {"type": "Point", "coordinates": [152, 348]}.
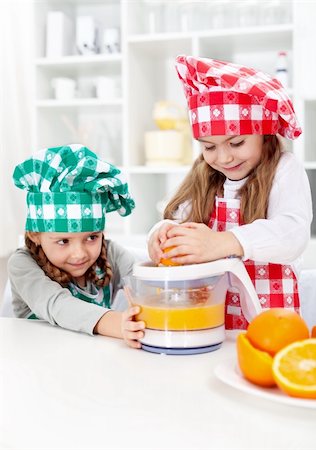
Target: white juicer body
{"type": "Point", "coordinates": [221, 274]}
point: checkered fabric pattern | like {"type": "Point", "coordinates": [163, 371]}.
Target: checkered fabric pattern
{"type": "Point", "coordinates": [69, 189]}
{"type": "Point", "coordinates": [229, 99]}
{"type": "Point", "coordinates": [275, 284]}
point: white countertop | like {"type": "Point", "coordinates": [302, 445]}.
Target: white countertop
{"type": "Point", "coordinates": [65, 390]}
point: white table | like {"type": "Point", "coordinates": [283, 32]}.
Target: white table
{"type": "Point", "coordinates": [65, 390]}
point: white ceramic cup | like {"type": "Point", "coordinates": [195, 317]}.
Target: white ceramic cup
{"type": "Point", "coordinates": [64, 88]}
{"type": "Point", "coordinates": [106, 88]}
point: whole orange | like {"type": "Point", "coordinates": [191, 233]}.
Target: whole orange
{"type": "Point", "coordinates": [255, 365]}
{"type": "Point", "coordinates": [313, 332]}
{"type": "Point", "coordinates": [275, 328]}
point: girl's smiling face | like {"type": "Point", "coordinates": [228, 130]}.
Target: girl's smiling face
{"type": "Point", "coordinates": [233, 156]}
{"type": "Point", "coordinates": [74, 253]}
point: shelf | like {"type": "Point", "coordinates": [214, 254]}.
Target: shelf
{"type": "Point", "coordinates": [158, 37]}
{"type": "Point", "coordinates": [153, 46]}
{"type": "Point", "coordinates": [221, 44]}
{"type": "Point", "coordinates": [277, 37]}
{"type": "Point", "coordinates": [268, 31]}
{"type": "Point", "coordinates": [246, 31]}
{"type": "Point", "coordinates": [156, 169]}
{"type": "Point", "coordinates": [75, 60]}
{"type": "Point", "coordinates": [79, 102]}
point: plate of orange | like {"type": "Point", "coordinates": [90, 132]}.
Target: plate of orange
{"type": "Point", "coordinates": [276, 358]}
{"type": "Point", "coordinates": [229, 373]}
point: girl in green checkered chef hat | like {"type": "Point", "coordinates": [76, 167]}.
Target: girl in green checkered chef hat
{"type": "Point", "coordinates": [68, 273]}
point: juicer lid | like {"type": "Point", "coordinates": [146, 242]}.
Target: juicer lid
{"type": "Point", "coordinates": [194, 276]}
{"type": "Point", "coordinates": [148, 271]}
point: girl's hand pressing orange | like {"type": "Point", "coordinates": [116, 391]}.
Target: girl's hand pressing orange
{"type": "Point", "coordinates": [194, 243]}
{"type": "Point", "coordinates": [156, 241]}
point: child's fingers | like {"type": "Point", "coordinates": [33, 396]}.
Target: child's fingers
{"type": "Point", "coordinates": [132, 330]}
{"type": "Point", "coordinates": [133, 335]}
{"type": "Point", "coordinates": [180, 231]}
{"type": "Point", "coordinates": [133, 344]}
{"type": "Point", "coordinates": [154, 249]}
{"type": "Point", "coordinates": [134, 326]}
{"type": "Point", "coordinates": [156, 253]}
{"type": "Point", "coordinates": [132, 338]}
{"type": "Point", "coordinates": [191, 225]}
{"type": "Point", "coordinates": [163, 231]}
{"type": "Point", "coordinates": [130, 312]}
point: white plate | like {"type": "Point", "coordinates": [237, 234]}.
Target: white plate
{"type": "Point", "coordinates": [228, 372]}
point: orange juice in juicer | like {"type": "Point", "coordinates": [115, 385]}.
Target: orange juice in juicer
{"type": "Point", "coordinates": [183, 307]}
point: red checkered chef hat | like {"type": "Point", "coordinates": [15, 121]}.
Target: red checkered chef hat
{"type": "Point", "coordinates": [229, 99]}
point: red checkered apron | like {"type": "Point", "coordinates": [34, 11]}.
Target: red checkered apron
{"type": "Point", "coordinates": [275, 284]}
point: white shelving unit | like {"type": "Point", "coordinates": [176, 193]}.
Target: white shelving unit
{"type": "Point", "coordinates": [153, 33]}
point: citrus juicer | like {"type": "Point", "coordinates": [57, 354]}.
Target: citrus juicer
{"type": "Point", "coordinates": [183, 307]}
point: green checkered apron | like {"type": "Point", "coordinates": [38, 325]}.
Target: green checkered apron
{"type": "Point", "coordinates": [90, 294]}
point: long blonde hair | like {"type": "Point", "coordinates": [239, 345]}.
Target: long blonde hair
{"type": "Point", "coordinates": [64, 278]}
{"type": "Point", "coordinates": [203, 183]}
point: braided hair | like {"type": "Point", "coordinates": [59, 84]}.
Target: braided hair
{"type": "Point", "coordinates": [64, 278]}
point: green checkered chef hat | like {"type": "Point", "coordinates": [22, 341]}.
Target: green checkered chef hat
{"type": "Point", "coordinates": [69, 189]}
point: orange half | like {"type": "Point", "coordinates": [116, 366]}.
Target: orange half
{"type": "Point", "coordinates": [255, 365]}
{"type": "Point", "coordinates": [167, 261]}
{"type": "Point", "coordinates": [294, 369]}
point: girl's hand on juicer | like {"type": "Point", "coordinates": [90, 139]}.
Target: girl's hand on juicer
{"type": "Point", "coordinates": [197, 243]}
{"type": "Point", "coordinates": [132, 330]}
{"type": "Point", "coordinates": [156, 241]}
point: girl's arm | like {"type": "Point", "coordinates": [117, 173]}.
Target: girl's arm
{"type": "Point", "coordinates": [33, 291]}
{"type": "Point", "coordinates": [284, 235]}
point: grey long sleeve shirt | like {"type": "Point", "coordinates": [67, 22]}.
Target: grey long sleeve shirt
{"type": "Point", "coordinates": [33, 291]}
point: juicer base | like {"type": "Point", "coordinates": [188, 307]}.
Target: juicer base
{"type": "Point", "coordinates": [181, 351]}
{"type": "Point", "coordinates": [168, 339]}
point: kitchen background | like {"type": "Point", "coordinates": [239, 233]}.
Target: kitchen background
{"type": "Point", "coordinates": [102, 73]}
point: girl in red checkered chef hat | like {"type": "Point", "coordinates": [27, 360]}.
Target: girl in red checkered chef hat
{"type": "Point", "coordinates": [244, 195]}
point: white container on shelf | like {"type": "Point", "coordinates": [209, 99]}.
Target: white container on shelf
{"type": "Point", "coordinates": [64, 88]}
{"type": "Point", "coordinates": [164, 147]}
{"type": "Point", "coordinates": [281, 71]}
{"type": "Point", "coordinates": [86, 35]}
{"type": "Point", "coordinates": [106, 88]}
{"type": "Point", "coordinates": [59, 34]}
{"type": "Point", "coordinates": [153, 16]}
{"type": "Point", "coordinates": [110, 41]}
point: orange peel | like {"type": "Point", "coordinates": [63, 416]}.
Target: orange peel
{"type": "Point", "coordinates": [255, 365]}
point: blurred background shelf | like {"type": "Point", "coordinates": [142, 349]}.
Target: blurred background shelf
{"type": "Point", "coordinates": [78, 102]}
{"type": "Point", "coordinates": [151, 34]}
{"type": "Point", "coordinates": [76, 60]}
